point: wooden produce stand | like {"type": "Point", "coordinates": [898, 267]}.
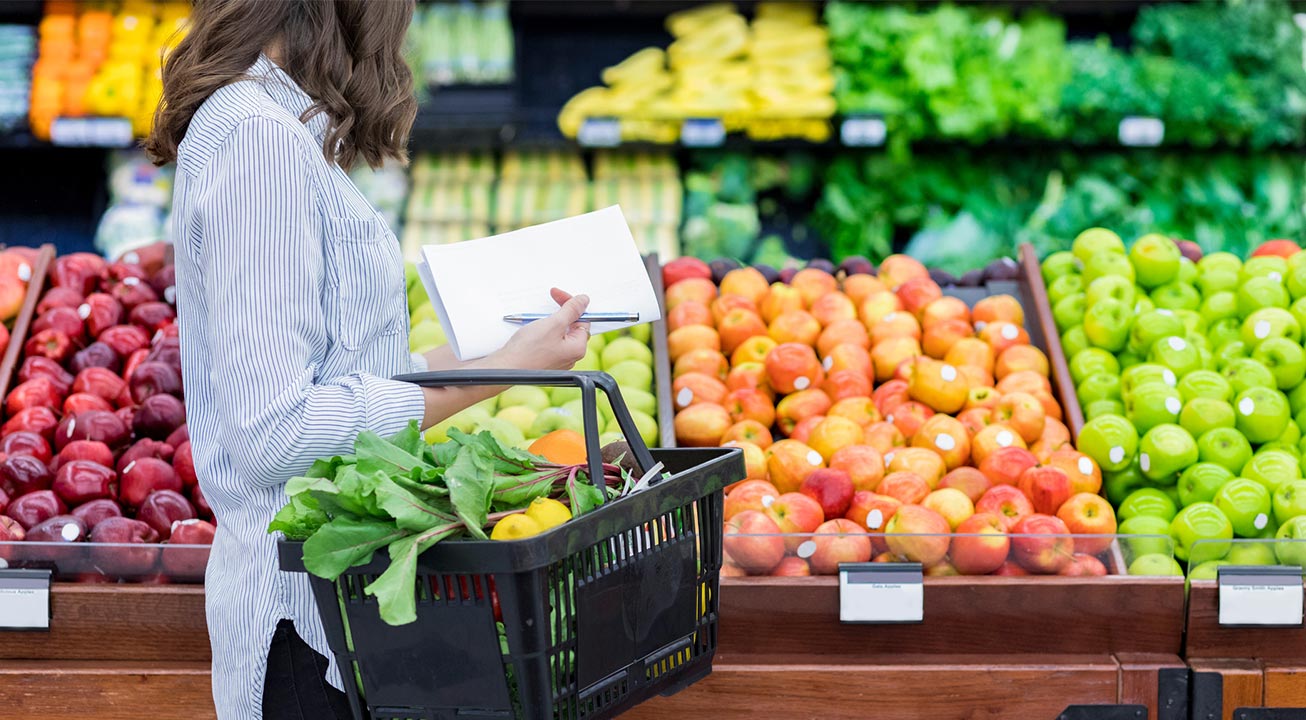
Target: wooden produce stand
{"type": "Point", "coordinates": [989, 647]}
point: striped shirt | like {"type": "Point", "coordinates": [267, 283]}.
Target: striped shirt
{"type": "Point", "coordinates": [293, 318]}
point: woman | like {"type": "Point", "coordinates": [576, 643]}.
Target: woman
{"type": "Point", "coordinates": [292, 304]}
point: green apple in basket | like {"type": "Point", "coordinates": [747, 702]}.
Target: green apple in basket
{"type": "Point", "coordinates": [1200, 533]}
{"type": "Point", "coordinates": [1251, 553]}
{"type": "Point", "coordinates": [1096, 241]}
{"type": "Point", "coordinates": [1201, 482]}
{"type": "Point", "coordinates": [465, 420]}
{"type": "Point", "coordinates": [1059, 264]}
{"type": "Point", "coordinates": [528, 396]}
{"type": "Point", "coordinates": [1292, 548]}
{"type": "Point", "coordinates": [1156, 565]}
{"type": "Point", "coordinates": [1225, 447]}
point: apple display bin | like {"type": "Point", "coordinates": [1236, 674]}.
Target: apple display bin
{"type": "Point", "coordinates": [1256, 673]}
{"type": "Point", "coordinates": [23, 321]}
{"type": "Point", "coordinates": [599, 614]}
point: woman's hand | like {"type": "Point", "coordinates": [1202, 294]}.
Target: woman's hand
{"type": "Point", "coordinates": [555, 343]}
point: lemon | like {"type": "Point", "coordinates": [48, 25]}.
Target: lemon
{"type": "Point", "coordinates": [548, 513]}
{"type": "Point", "coordinates": [516, 527]}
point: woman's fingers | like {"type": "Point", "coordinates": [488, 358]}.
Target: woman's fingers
{"type": "Point", "coordinates": [571, 310]}
{"type": "Point", "coordinates": [559, 296]}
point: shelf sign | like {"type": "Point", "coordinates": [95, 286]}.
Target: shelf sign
{"type": "Point", "coordinates": [1141, 131]}
{"type": "Point", "coordinates": [109, 132]}
{"type": "Point", "coordinates": [25, 599]}
{"type": "Point", "coordinates": [863, 131]}
{"type": "Point", "coordinates": [881, 593]}
{"type": "Point", "coordinates": [1260, 596]}
{"type": "Point", "coordinates": [600, 132]}
{"type": "Point", "coordinates": [703, 133]}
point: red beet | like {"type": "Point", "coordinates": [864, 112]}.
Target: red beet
{"type": "Point", "coordinates": [23, 474]}
{"type": "Point", "coordinates": [26, 443]}
{"type": "Point", "coordinates": [80, 481]}
{"type": "Point", "coordinates": [163, 508]}
{"type": "Point", "coordinates": [158, 416]}
{"type": "Point", "coordinates": [35, 508]}
{"type": "Point", "coordinates": [154, 378]}
{"type": "Point", "coordinates": [39, 420]}
{"type": "Point", "coordinates": [92, 425]}
{"type": "Point", "coordinates": [37, 366]}
{"type": "Point", "coordinates": [146, 476]}
{"type": "Point", "coordinates": [37, 392]}
{"type": "Point", "coordinates": [94, 511]}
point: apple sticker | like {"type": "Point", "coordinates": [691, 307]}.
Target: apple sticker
{"type": "Point", "coordinates": [888, 458]}
{"type": "Point", "coordinates": [945, 441]}
{"type": "Point", "coordinates": [806, 550]}
{"type": "Point", "coordinates": [84, 311]}
{"type": "Point", "coordinates": [1262, 329]}
{"type": "Point", "coordinates": [1166, 312]}
{"type": "Point", "coordinates": [827, 363]}
{"type": "Point", "coordinates": [802, 382]}
{"type": "Point", "coordinates": [1261, 521]}
{"type": "Point", "coordinates": [948, 372]}
{"type": "Point", "coordinates": [1176, 343]}
{"type": "Point", "coordinates": [1171, 403]}
{"type": "Point", "coordinates": [1010, 332]}
{"type": "Point", "coordinates": [1116, 454]}
{"type": "Point", "coordinates": [874, 519]}
{"type": "Point", "coordinates": [1145, 462]}
{"type": "Point", "coordinates": [1169, 378]}
{"type": "Point", "coordinates": [1275, 276]}
{"type": "Point", "coordinates": [1085, 466]}
{"type": "Point", "coordinates": [1005, 438]}
{"type": "Point", "coordinates": [684, 397]}
{"type": "Point", "coordinates": [814, 458]}
{"type": "Point", "coordinates": [1246, 406]}
{"type": "Point", "coordinates": [70, 532]}
{"type": "Point", "coordinates": [24, 272]}
{"type": "Point", "coordinates": [767, 500]}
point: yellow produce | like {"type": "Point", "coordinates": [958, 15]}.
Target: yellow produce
{"type": "Point", "coordinates": [516, 527]}
{"type": "Point", "coordinates": [548, 513]}
{"type": "Point", "coordinates": [685, 22]}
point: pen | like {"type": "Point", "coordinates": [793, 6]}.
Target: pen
{"type": "Point", "coordinates": [613, 317]}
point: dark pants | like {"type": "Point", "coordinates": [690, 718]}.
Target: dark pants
{"type": "Point", "coordinates": [295, 687]}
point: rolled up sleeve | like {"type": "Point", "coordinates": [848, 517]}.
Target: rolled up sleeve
{"type": "Point", "coordinates": [263, 291]}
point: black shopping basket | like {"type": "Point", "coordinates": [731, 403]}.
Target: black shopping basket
{"type": "Point", "coordinates": [598, 614]}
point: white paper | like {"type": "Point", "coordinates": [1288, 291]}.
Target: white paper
{"type": "Point", "coordinates": [474, 284]}
{"type": "Point", "coordinates": [1261, 604]}
{"type": "Point", "coordinates": [25, 608]}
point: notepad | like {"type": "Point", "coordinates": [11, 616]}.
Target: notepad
{"type": "Point", "coordinates": [474, 284]}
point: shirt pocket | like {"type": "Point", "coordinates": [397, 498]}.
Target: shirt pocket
{"type": "Point", "coordinates": [370, 298]}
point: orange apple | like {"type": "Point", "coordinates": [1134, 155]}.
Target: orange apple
{"type": "Point", "coordinates": [970, 351]}
{"type": "Point", "coordinates": [703, 360]}
{"type": "Point", "coordinates": [863, 463]}
{"type": "Point", "coordinates": [692, 337]}
{"type": "Point", "coordinates": [750, 431]}
{"type": "Point", "coordinates": [842, 332]}
{"type": "Point", "coordinates": [746, 282]}
{"type": "Point", "coordinates": [833, 307]}
{"type": "Point", "coordinates": [731, 570]}
{"type": "Point", "coordinates": [795, 408]}
{"type": "Point", "coordinates": [1020, 357]}
{"type": "Point", "coordinates": [737, 326]}
{"type": "Point", "coordinates": [946, 308]}
{"type": "Point", "coordinates": [834, 434]}
{"type": "Point", "coordinates": [793, 366]}
{"type": "Point", "coordinates": [969, 480]}
{"type": "Point", "coordinates": [872, 512]}
{"type": "Point", "coordinates": [909, 417]}
{"type": "Point", "coordinates": [812, 283]}
{"type": "Point", "coordinates": [1002, 335]}
{"type": "Point", "coordinates": [990, 438]}
{"type": "Point", "coordinates": [695, 388]}
{"type": "Point", "coordinates": [803, 430]}
{"type": "Point", "coordinates": [860, 287]}
{"type": "Point", "coordinates": [896, 324]}
{"type": "Point", "coordinates": [946, 436]}
{"type": "Point", "coordinates": [693, 289]}
{"type": "Point", "coordinates": [889, 354]}
{"type": "Point", "coordinates": [1085, 476]}
{"type": "Point", "coordinates": [1041, 544]}
{"type": "Point", "coordinates": [918, 293]}
{"type": "Point", "coordinates": [860, 410]}
{"type": "Point", "coordinates": [975, 419]}
{"type": "Point", "coordinates": [982, 397]}
{"type": "Point", "coordinates": [831, 489]}
{"type": "Point", "coordinates": [898, 269]}
{"type": "Point", "coordinates": [792, 567]}
{"type": "Point", "coordinates": [701, 425]}
{"type": "Point", "coordinates": [906, 487]}
{"type": "Point", "coordinates": [890, 395]}
{"type": "Point", "coordinates": [843, 384]}
{"type": "Point", "coordinates": [749, 495]}
{"type": "Point", "coordinates": [754, 459]}
{"type": "Point", "coordinates": [849, 357]}
{"type": "Point", "coordinates": [753, 350]}
{"type": "Point", "coordinates": [1010, 568]}
{"type": "Point", "coordinates": [952, 504]}
{"type": "Point", "coordinates": [981, 545]}
{"type": "Point", "coordinates": [795, 326]}
{"type": "Point", "coordinates": [689, 313]}
{"type": "Point", "coordinates": [940, 337]}
{"type": "Point", "coordinates": [1026, 381]}
{"type": "Point", "coordinates": [1023, 413]}
{"type": "Point", "coordinates": [1006, 465]}
{"type": "Point", "coordinates": [875, 307]}
{"type": "Point", "coordinates": [750, 376]}
{"type": "Point", "coordinates": [1056, 434]}
{"type": "Point", "coordinates": [796, 515]}
{"type": "Point", "coordinates": [1047, 487]}
{"type": "Point", "coordinates": [779, 300]}
{"type": "Point", "coordinates": [1007, 502]}
{"type": "Point", "coordinates": [924, 463]}
{"type": "Point", "coordinates": [976, 376]}
{"type": "Point", "coordinates": [1089, 514]}
{"type": "Point", "coordinates": [939, 385]}
{"type": "Point", "coordinates": [746, 404]}
{"type": "Point", "coordinates": [724, 304]}
{"type": "Point", "coordinates": [752, 540]}
{"type": "Point", "coordinates": [1051, 408]}
{"type": "Point", "coordinates": [789, 462]}
{"type": "Point", "coordinates": [998, 308]}
{"type": "Point", "coordinates": [918, 534]}
{"type": "Point", "coordinates": [839, 541]}
{"type": "Point", "coordinates": [1083, 565]}
{"type": "Point", "coordinates": [884, 436]}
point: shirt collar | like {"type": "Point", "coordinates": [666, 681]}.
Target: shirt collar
{"type": "Point", "coordinates": [278, 84]}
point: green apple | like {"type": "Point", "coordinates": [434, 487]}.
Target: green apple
{"type": "Point", "coordinates": [1263, 414]}
{"type": "Point", "coordinates": [1291, 550]}
{"type": "Point", "coordinates": [1096, 241]}
{"type": "Point", "coordinates": [1156, 260]}
{"type": "Point", "coordinates": [597, 343]}
{"type": "Point", "coordinates": [1221, 305]}
{"type": "Point", "coordinates": [1059, 264]}
{"type": "Point", "coordinates": [1202, 523]}
{"type": "Point", "coordinates": [1250, 553]}
{"type": "Point", "coordinates": [1177, 296]}
{"type": "Point", "coordinates": [1289, 501]}
{"type": "Point", "coordinates": [632, 374]}
{"type": "Point", "coordinates": [1297, 399]}
{"type": "Point", "coordinates": [1136, 376]}
{"type": "Point", "coordinates": [1247, 505]}
{"type": "Point", "coordinates": [1106, 324]}
{"type": "Point", "coordinates": [590, 362]}
{"type": "Point", "coordinates": [1272, 468]}
{"type": "Point", "coordinates": [1219, 261]}
{"type": "Point", "coordinates": [1209, 570]}
{"type": "Point", "coordinates": [1120, 484]}
{"type": "Point", "coordinates": [1128, 359]}
{"type": "Point", "coordinates": [1110, 440]}
{"type": "Point", "coordinates": [556, 418]}
{"type": "Point", "coordinates": [1261, 292]}
{"type": "Point", "coordinates": [1200, 482]}
{"type": "Point", "coordinates": [1152, 326]}
{"type": "Point", "coordinates": [1143, 303]}
{"type": "Point", "coordinates": [1216, 281]}
{"type": "Point", "coordinates": [1147, 501]}
{"type": "Point", "coordinates": [626, 349]}
{"type": "Point", "coordinates": [1069, 312]}
{"type": "Point", "coordinates": [466, 421]}
{"type": "Point", "coordinates": [1245, 374]}
{"type": "Point", "coordinates": [1226, 337]}
{"type": "Point", "coordinates": [1151, 405]}
{"type": "Point", "coordinates": [1187, 271]}
{"type": "Point", "coordinates": [1204, 384]}
{"type": "Point", "coordinates": [1092, 361]}
{"type": "Point", "coordinates": [519, 415]}
{"type": "Point", "coordinates": [1165, 451]}
{"type": "Point", "coordinates": [608, 438]}
{"type": "Point", "coordinates": [424, 312]}
{"type": "Point", "coordinates": [529, 396]}
{"type": "Point", "coordinates": [1112, 287]}
{"type": "Point", "coordinates": [504, 431]}
{"type": "Point", "coordinates": [1103, 407]}
{"type": "Point", "coordinates": [1156, 565]}
{"type": "Point", "coordinates": [1108, 264]}
{"type": "Point", "coordinates": [1296, 281]}
{"type": "Point", "coordinates": [1298, 310]}
{"type": "Point", "coordinates": [1102, 386]}
{"type": "Point", "coordinates": [426, 336]}
{"type": "Point", "coordinates": [1270, 322]}
{"type": "Point", "coordinates": [1272, 267]}
{"type": "Point", "coordinates": [1065, 286]}
{"type": "Point", "coordinates": [1145, 525]}
{"type": "Point", "coordinates": [1177, 354]}
{"type": "Point", "coordinates": [1074, 341]}
{"type": "Point", "coordinates": [1284, 358]}
{"type": "Point", "coordinates": [641, 400]}
{"type": "Point", "coordinates": [1194, 323]}
{"type": "Point", "coordinates": [1201, 415]}
{"type": "Point", "coordinates": [647, 426]}
{"type": "Point", "coordinates": [559, 396]}
{"type": "Point", "coordinates": [1225, 447]}
{"type": "Point", "coordinates": [642, 332]}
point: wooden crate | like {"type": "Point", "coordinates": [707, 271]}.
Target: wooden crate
{"type": "Point", "coordinates": [23, 321]}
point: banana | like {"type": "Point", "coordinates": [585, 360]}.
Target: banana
{"type": "Point", "coordinates": [683, 23]}
{"type": "Point", "coordinates": [648, 61]}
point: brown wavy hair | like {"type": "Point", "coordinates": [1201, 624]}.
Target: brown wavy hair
{"type": "Point", "coordinates": [346, 54]}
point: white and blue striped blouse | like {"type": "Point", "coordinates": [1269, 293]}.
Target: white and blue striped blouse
{"type": "Point", "coordinates": [293, 318]}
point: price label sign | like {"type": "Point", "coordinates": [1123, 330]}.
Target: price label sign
{"type": "Point", "coordinates": [91, 132]}
{"type": "Point", "coordinates": [1141, 131]}
{"type": "Point", "coordinates": [1260, 596]}
{"type": "Point", "coordinates": [881, 593]}
{"type": "Point", "coordinates": [600, 132]}
{"type": "Point", "coordinates": [703, 133]}
{"type": "Point", "coordinates": [25, 599]}
{"type": "Point", "coordinates": [868, 131]}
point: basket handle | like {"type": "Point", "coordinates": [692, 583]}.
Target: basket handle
{"type": "Point", "coordinates": [586, 381]}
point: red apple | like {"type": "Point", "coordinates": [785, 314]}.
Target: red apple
{"type": "Point", "coordinates": [91, 450]}
{"type": "Point", "coordinates": [97, 354]}
{"type": "Point", "coordinates": [184, 463]}
{"type": "Point", "coordinates": [1089, 514]}
{"type": "Point", "coordinates": [747, 495]}
{"type": "Point", "coordinates": [152, 316]}
{"type": "Point", "coordinates": [192, 532]}
{"type": "Point", "coordinates": [796, 515]}
{"type": "Point", "coordinates": [1041, 544]}
{"type": "Point", "coordinates": [26, 443]}
{"type": "Point", "coordinates": [831, 489]}
{"type": "Point", "coordinates": [918, 534]}
{"type": "Point", "coordinates": [132, 292]}
{"type": "Point", "coordinates": [64, 319]}
{"type": "Point", "coordinates": [38, 366]}
{"type": "Point", "coordinates": [981, 545]}
{"type": "Point", "coordinates": [163, 508]}
{"type": "Point", "coordinates": [1081, 565]}
{"type": "Point", "coordinates": [201, 505]}
{"type": "Point", "coordinates": [23, 474]}
{"type": "Point", "coordinates": [792, 567]}
{"type": "Point", "coordinates": [125, 339]}
{"type": "Point", "coordinates": [145, 476]}
{"type": "Point", "coordinates": [1005, 465]}
{"type": "Point", "coordinates": [145, 448]}
{"type": "Point", "coordinates": [80, 481]}
{"type": "Point", "coordinates": [1046, 487]}
{"type": "Point", "coordinates": [753, 542]}
{"type": "Point", "coordinates": [80, 271]}
{"type": "Point", "coordinates": [1011, 568]}
{"type": "Point", "coordinates": [94, 511]}
{"type": "Point", "coordinates": [158, 416]}
{"type": "Point", "coordinates": [92, 425]}
{"type": "Point", "coordinates": [1006, 501]}
{"type": "Point", "coordinates": [838, 541]}
{"type": "Point", "coordinates": [100, 312]}
{"type": "Point", "coordinates": [39, 420]}
{"type": "Point", "coordinates": [124, 562]}
{"type": "Point", "coordinates": [35, 508]}
{"type": "Point", "coordinates": [154, 378]}
{"type": "Point", "coordinates": [178, 436]}
{"type": "Point", "coordinates": [82, 402]}
{"type": "Point", "coordinates": [57, 297]}
{"type": "Point", "coordinates": [50, 344]}
{"type": "Point", "coordinates": [102, 382]}
{"type": "Point", "coordinates": [970, 481]}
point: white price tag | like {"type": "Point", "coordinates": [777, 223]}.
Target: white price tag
{"type": "Point", "coordinates": [1260, 596]}
{"type": "Point", "coordinates": [91, 132]}
{"type": "Point", "coordinates": [599, 132]}
{"type": "Point", "coordinates": [703, 132]}
{"type": "Point", "coordinates": [25, 599]}
{"type": "Point", "coordinates": [863, 131]}
{"type": "Point", "coordinates": [881, 593]}
{"type": "Point", "coordinates": [1141, 131]}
